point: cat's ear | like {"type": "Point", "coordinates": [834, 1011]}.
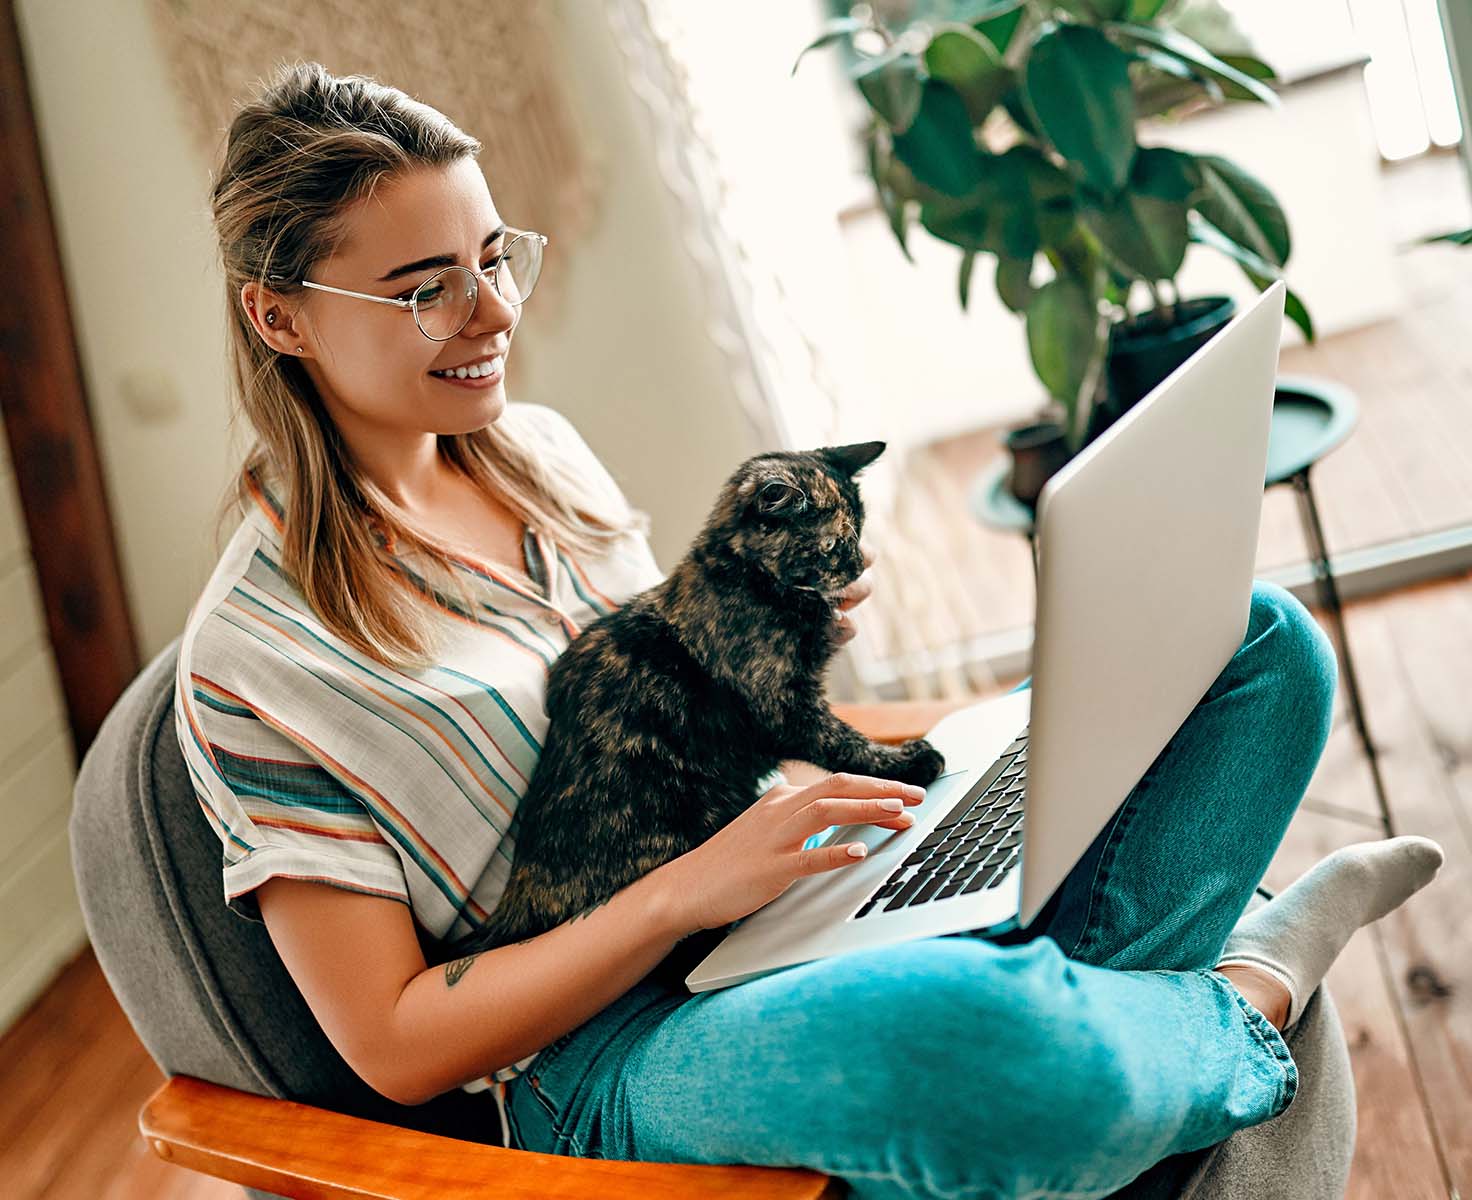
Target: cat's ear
{"type": "Point", "coordinates": [852, 459]}
{"type": "Point", "coordinates": [779, 497]}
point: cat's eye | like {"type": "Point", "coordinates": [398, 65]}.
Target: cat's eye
{"type": "Point", "coordinates": [827, 544]}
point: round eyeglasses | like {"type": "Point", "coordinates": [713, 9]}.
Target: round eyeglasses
{"type": "Point", "coordinates": [444, 303]}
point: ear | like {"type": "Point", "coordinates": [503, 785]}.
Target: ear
{"type": "Point", "coordinates": [854, 458]}
{"type": "Point", "coordinates": [283, 332]}
{"type": "Point", "coordinates": [780, 498]}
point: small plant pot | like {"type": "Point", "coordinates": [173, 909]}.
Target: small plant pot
{"type": "Point", "coordinates": [1144, 349]}
{"type": "Point", "coordinates": [1038, 452]}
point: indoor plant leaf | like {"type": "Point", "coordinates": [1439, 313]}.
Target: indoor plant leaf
{"type": "Point", "coordinates": [961, 57]}
{"type": "Point", "coordinates": [1095, 10]}
{"type": "Point", "coordinates": [968, 260]}
{"type": "Point", "coordinates": [995, 20]}
{"type": "Point", "coordinates": [1145, 10]}
{"type": "Point", "coordinates": [1197, 55]}
{"type": "Point", "coordinates": [1258, 270]}
{"type": "Point", "coordinates": [1060, 336]}
{"type": "Point", "coordinates": [938, 146]}
{"type": "Point", "coordinates": [1242, 208]}
{"type": "Point", "coordinates": [892, 83]}
{"type": "Point", "coordinates": [838, 27]}
{"type": "Point", "coordinates": [1077, 84]}
{"type": "Point", "coordinates": [896, 206]}
{"type": "Point", "coordinates": [1143, 228]}
{"type": "Point", "coordinates": [1014, 283]}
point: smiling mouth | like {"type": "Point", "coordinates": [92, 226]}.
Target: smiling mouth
{"type": "Point", "coordinates": [493, 364]}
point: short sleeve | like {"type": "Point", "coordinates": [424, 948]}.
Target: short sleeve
{"type": "Point", "coordinates": [277, 808]}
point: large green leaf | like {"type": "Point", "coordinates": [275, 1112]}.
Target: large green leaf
{"type": "Point", "coordinates": [1061, 323]}
{"type": "Point", "coordinates": [1242, 208]}
{"type": "Point", "coordinates": [1021, 202]}
{"type": "Point", "coordinates": [1258, 270]}
{"type": "Point", "coordinates": [1145, 10]}
{"type": "Point", "coordinates": [892, 83]}
{"type": "Point", "coordinates": [1192, 52]}
{"type": "Point", "coordinates": [961, 57]}
{"type": "Point", "coordinates": [1077, 84]}
{"type": "Point", "coordinates": [1143, 228]}
{"type": "Point", "coordinates": [1049, 189]}
{"type": "Point", "coordinates": [938, 147]}
{"type": "Point", "coordinates": [838, 27]}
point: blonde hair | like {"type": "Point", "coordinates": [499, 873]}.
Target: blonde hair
{"type": "Point", "coordinates": [306, 146]}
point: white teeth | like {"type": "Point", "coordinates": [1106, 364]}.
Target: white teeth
{"type": "Point", "coordinates": [475, 371]}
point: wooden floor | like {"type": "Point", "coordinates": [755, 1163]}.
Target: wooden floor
{"type": "Point", "coordinates": [75, 1076]}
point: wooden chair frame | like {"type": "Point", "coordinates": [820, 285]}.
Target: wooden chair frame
{"type": "Point", "coordinates": [294, 1149]}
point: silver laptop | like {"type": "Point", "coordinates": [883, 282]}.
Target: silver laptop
{"type": "Point", "coordinates": [1147, 542]}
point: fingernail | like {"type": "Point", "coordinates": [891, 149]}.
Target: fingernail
{"type": "Point", "coordinates": [915, 791]}
{"type": "Point", "coordinates": [857, 849]}
{"type": "Point", "coordinates": [892, 805]}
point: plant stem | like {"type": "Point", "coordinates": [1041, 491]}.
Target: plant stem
{"type": "Point", "coordinates": [1083, 406]}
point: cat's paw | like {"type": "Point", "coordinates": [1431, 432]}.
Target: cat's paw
{"type": "Point", "coordinates": [918, 762]}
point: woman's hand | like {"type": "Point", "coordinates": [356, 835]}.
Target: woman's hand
{"type": "Point", "coordinates": [856, 593]}
{"type": "Point", "coordinates": [759, 855]}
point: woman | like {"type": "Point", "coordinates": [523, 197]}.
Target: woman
{"type": "Point", "coordinates": [359, 699]}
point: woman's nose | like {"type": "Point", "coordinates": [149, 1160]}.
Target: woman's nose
{"type": "Point", "coordinates": [491, 311]}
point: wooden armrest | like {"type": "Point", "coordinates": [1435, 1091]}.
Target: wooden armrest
{"type": "Point", "coordinates": [298, 1150]}
{"type": "Point", "coordinates": [895, 721]}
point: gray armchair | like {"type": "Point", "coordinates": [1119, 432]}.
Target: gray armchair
{"type": "Point", "coordinates": [258, 1095]}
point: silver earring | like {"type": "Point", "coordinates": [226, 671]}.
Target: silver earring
{"type": "Point", "coordinates": [299, 349]}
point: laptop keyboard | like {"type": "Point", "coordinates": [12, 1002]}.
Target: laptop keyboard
{"type": "Point", "coordinates": [973, 847]}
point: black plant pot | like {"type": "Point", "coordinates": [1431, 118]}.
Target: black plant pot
{"type": "Point", "coordinates": [1144, 349]}
{"type": "Point", "coordinates": [1038, 451]}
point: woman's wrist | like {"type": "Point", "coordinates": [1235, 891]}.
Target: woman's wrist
{"type": "Point", "coordinates": [666, 894]}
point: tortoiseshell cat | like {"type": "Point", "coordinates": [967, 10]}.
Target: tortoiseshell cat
{"type": "Point", "coordinates": [667, 712]}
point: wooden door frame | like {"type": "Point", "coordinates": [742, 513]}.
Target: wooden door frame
{"type": "Point", "coordinates": [49, 427]}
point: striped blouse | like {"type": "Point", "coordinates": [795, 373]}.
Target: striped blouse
{"type": "Point", "coordinates": [313, 761]}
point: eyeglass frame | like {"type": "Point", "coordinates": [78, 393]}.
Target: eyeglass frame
{"type": "Point", "coordinates": [411, 305]}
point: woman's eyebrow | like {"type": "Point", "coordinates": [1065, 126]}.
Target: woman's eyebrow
{"type": "Point", "coordinates": [437, 260]}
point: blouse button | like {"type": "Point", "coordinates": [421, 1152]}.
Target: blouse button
{"type": "Point", "coordinates": [553, 618]}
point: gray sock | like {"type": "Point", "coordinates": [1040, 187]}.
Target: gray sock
{"type": "Point", "coordinates": [1297, 935]}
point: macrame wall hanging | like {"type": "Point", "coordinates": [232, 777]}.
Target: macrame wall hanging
{"type": "Point", "coordinates": [493, 69]}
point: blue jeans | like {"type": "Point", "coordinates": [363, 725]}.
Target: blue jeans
{"type": "Point", "coordinates": [1063, 1064]}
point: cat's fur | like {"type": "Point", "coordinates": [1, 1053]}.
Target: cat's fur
{"type": "Point", "coordinates": [666, 713]}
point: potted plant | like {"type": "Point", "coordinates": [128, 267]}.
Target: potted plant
{"type": "Point", "coordinates": [1008, 128]}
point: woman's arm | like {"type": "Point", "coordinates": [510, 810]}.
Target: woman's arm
{"type": "Point", "coordinates": [411, 1031]}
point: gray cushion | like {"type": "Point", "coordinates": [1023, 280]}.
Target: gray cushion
{"type": "Point", "coordinates": [204, 989]}
{"type": "Point", "coordinates": [209, 997]}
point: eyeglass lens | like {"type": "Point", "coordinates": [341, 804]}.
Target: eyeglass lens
{"type": "Point", "coordinates": [444, 303]}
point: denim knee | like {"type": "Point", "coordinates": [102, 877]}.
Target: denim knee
{"type": "Point", "coordinates": [1301, 653]}
{"type": "Point", "coordinates": [1002, 1035]}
